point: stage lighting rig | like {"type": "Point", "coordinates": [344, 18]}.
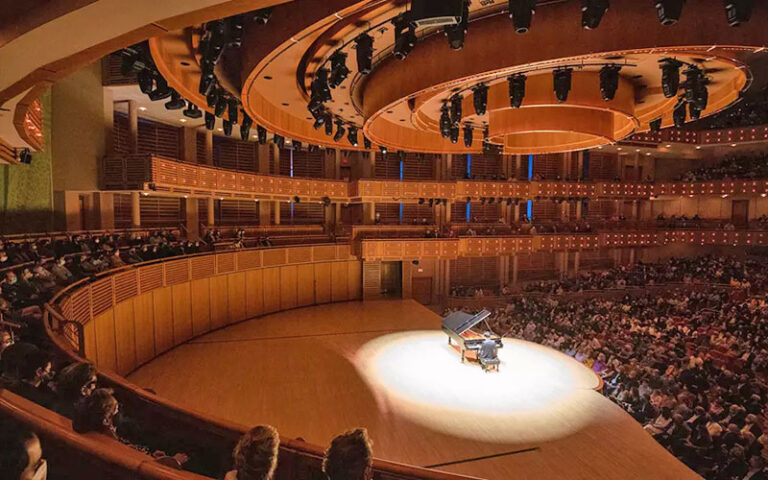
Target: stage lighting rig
{"type": "Point", "coordinates": [562, 83]}
{"type": "Point", "coordinates": [516, 89]}
{"type": "Point", "coordinates": [609, 81]}
{"type": "Point", "coordinates": [445, 121]}
{"type": "Point", "coordinates": [670, 76]}
{"type": "Point", "coordinates": [146, 81]}
{"type": "Point", "coordinates": [319, 116]}
{"type": "Point", "coordinates": [669, 11]}
{"type": "Point", "coordinates": [366, 143]}
{"type": "Point", "coordinates": [480, 98]}
{"type": "Point", "coordinates": [352, 136]}
{"type": "Point", "coordinates": [132, 60]}
{"type": "Point", "coordinates": [227, 125]}
{"type": "Point", "coordinates": [339, 70]}
{"type": "Point", "coordinates": [212, 99]}
{"type": "Point", "coordinates": [221, 106]}
{"type": "Point", "coordinates": [695, 85]}
{"type": "Point", "coordinates": [176, 102]}
{"type": "Point", "coordinates": [678, 115]}
{"type": "Point", "coordinates": [245, 127]}
{"type": "Point", "coordinates": [192, 111]}
{"type": "Point", "coordinates": [320, 91]}
{"type": "Point", "coordinates": [456, 108]}
{"type": "Point", "coordinates": [296, 145]}
{"type": "Point", "coordinates": [656, 125]}
{"type": "Point", "coordinates": [521, 12]}
{"type": "Point", "coordinates": [233, 110]}
{"type": "Point", "coordinates": [468, 134]}
{"type": "Point", "coordinates": [340, 131]}
{"type": "Point", "coordinates": [592, 12]}
{"type": "Point", "coordinates": [278, 140]}
{"type": "Point", "coordinates": [364, 46]}
{"type": "Point", "coordinates": [262, 16]}
{"type": "Point", "coordinates": [405, 36]}
{"type": "Point", "coordinates": [738, 11]}
{"type": "Point", "coordinates": [207, 83]}
{"type": "Point", "coordinates": [457, 33]}
{"type": "Point", "coordinates": [694, 111]}
{"type": "Point", "coordinates": [328, 124]}
{"type": "Point", "coordinates": [24, 156]}
{"type": "Point", "coordinates": [161, 91]}
{"type": "Point", "coordinates": [261, 135]}
{"type": "Point", "coordinates": [383, 150]}
{"type": "Point", "coordinates": [454, 134]}
{"type": "Point", "coordinates": [436, 13]}
{"type": "Point", "coordinates": [210, 120]}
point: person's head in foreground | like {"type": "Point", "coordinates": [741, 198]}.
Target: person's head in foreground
{"type": "Point", "coordinates": [349, 457]}
{"type": "Point", "coordinates": [21, 457]}
{"type": "Point", "coordinates": [255, 455]}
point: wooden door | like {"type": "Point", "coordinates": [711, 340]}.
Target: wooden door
{"type": "Point", "coordinates": [421, 289]}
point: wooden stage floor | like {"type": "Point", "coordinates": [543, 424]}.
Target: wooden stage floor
{"type": "Point", "coordinates": [306, 372]}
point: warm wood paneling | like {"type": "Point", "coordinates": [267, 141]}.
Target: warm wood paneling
{"type": "Point", "coordinates": [354, 280]}
{"type": "Point", "coordinates": [305, 285]}
{"type": "Point", "coordinates": [254, 293]}
{"type": "Point", "coordinates": [89, 332]}
{"type": "Point", "coordinates": [201, 306]}
{"type": "Point", "coordinates": [163, 314]}
{"type": "Point", "coordinates": [144, 327]}
{"type": "Point", "coordinates": [219, 308]}
{"type": "Point", "coordinates": [125, 337]}
{"type": "Point", "coordinates": [322, 282]}
{"type": "Point", "coordinates": [104, 326]}
{"type": "Point", "coordinates": [236, 286]}
{"type": "Point", "coordinates": [271, 287]}
{"type": "Point", "coordinates": [182, 313]}
{"type": "Point", "coordinates": [339, 275]}
{"type": "Point", "coordinates": [288, 295]}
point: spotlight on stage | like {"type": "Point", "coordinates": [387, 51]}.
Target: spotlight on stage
{"type": "Point", "coordinates": [670, 76]}
{"type": "Point", "coordinates": [364, 53]}
{"type": "Point", "coordinates": [516, 90]}
{"type": "Point", "coordinates": [521, 12]}
{"type": "Point", "coordinates": [609, 81]}
{"type": "Point", "coordinates": [669, 11]}
{"type": "Point", "coordinates": [480, 98]}
{"type": "Point", "coordinates": [468, 136]}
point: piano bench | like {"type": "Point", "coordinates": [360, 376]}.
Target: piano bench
{"type": "Point", "coordinates": [490, 364]}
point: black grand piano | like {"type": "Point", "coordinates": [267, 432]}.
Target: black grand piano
{"type": "Point", "coordinates": [458, 327]}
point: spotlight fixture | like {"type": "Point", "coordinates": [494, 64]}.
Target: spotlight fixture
{"type": "Point", "coordinates": [245, 127]}
{"type": "Point", "coordinates": [233, 106]}
{"type": "Point", "coordinates": [262, 16]}
{"type": "Point", "coordinates": [296, 145]}
{"type": "Point", "coordinates": [656, 125]}
{"type": "Point", "coordinates": [212, 99]}
{"type": "Point", "coordinates": [207, 83]}
{"type": "Point", "coordinates": [421, 201]}
{"type": "Point", "coordinates": [431, 202]}
{"type": "Point", "coordinates": [25, 156]}
{"type": "Point", "coordinates": [521, 12]}
{"type": "Point", "coordinates": [696, 88]}
{"type": "Point", "coordinates": [609, 81]}
{"type": "Point", "coordinates": [456, 108]}
{"type": "Point", "coordinates": [562, 83]}
{"type": "Point", "coordinates": [210, 120]}
{"type": "Point", "coordinates": [328, 125]}
{"type": "Point", "coordinates": [278, 140]}
{"type": "Point", "coordinates": [221, 106]}
{"type": "Point", "coordinates": [146, 81]}
{"type": "Point", "coordinates": [364, 45]}
{"type": "Point", "coordinates": [468, 136]}
{"type": "Point", "coordinates": [366, 143]}
{"type": "Point", "coordinates": [738, 11]}
{"type": "Point", "coordinates": [592, 12]}
{"type": "Point", "coordinates": [326, 201]}
{"type": "Point", "coordinates": [454, 134]}
{"type": "Point", "coordinates": [339, 70]}
{"type": "Point", "coordinates": [516, 89]}
{"type": "Point", "coordinates": [383, 150]}
{"type": "Point", "coordinates": [227, 125]}
{"type": "Point", "coordinates": [480, 98]}
{"type": "Point", "coordinates": [669, 11]}
{"type": "Point", "coordinates": [678, 115]}
{"type": "Point", "coordinates": [458, 32]}
{"type": "Point", "coordinates": [261, 134]}
{"type": "Point", "coordinates": [352, 136]}
{"type": "Point", "coordinates": [161, 91]}
{"type": "Point", "coordinates": [436, 13]}
{"type": "Point", "coordinates": [340, 131]}
{"type": "Point", "coordinates": [176, 102]}
{"type": "Point", "coordinates": [405, 36]}
{"type": "Point", "coordinates": [192, 111]}
{"type": "Point", "coordinates": [670, 76]}
{"type": "Point", "coordinates": [445, 121]}
{"type": "Point", "coordinates": [319, 116]}
{"type": "Point", "coordinates": [694, 111]}
{"type": "Point", "coordinates": [321, 91]}
{"type": "Point", "coordinates": [296, 199]}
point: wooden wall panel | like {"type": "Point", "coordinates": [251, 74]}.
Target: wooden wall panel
{"type": "Point", "coordinates": [219, 302]}
{"type": "Point", "coordinates": [339, 282]}
{"type": "Point", "coordinates": [305, 285]}
{"type": "Point", "coordinates": [271, 289]}
{"type": "Point", "coordinates": [163, 315]}
{"type": "Point", "coordinates": [104, 325]}
{"type": "Point", "coordinates": [354, 279]}
{"type": "Point", "coordinates": [89, 331]}
{"type": "Point", "coordinates": [201, 306]}
{"type": "Point", "coordinates": [254, 293]}
{"type": "Point", "coordinates": [144, 328]}
{"type": "Point", "coordinates": [182, 313]}
{"type": "Point", "coordinates": [125, 338]}
{"type": "Point", "coordinates": [236, 286]}
{"type": "Point", "coordinates": [322, 283]}
{"type": "Point", "coordinates": [288, 296]}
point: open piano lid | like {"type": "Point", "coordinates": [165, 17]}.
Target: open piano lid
{"type": "Point", "coordinates": [460, 322]}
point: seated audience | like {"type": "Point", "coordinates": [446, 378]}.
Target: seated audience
{"type": "Point", "coordinates": [349, 457]}
{"type": "Point", "coordinates": [255, 455]}
{"type": "Point", "coordinates": [21, 456]}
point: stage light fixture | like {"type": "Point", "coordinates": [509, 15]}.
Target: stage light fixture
{"type": "Point", "coordinates": [454, 134]}
{"type": "Point", "coordinates": [278, 140]}
{"type": "Point", "coordinates": [521, 12]}
{"type": "Point", "coordinates": [207, 83]}
{"type": "Point", "coordinates": [340, 131]}
{"type": "Point", "coordinates": [738, 11]}
{"type": "Point", "coordinates": [457, 102]}
{"type": "Point", "coordinates": [468, 133]}
{"type": "Point", "coordinates": [212, 99]}
{"type": "Point", "coordinates": [176, 102]}
{"type": "Point", "coordinates": [296, 145]}
{"type": "Point", "coordinates": [339, 70]}
{"type": "Point", "coordinates": [445, 121]}
{"type": "Point", "coordinates": [261, 134]}
{"type": "Point", "coordinates": [321, 87]}
{"type": "Point", "coordinates": [670, 76]}
{"type": "Point", "coordinates": [609, 81]}
{"type": "Point", "coordinates": [328, 124]}
{"type": "Point", "coordinates": [25, 156]}
{"type": "Point", "coordinates": [383, 150]}
{"type": "Point", "coordinates": [656, 125]}
{"type": "Point", "coordinates": [221, 106]}
{"type": "Point", "coordinates": [669, 11]}
{"type": "Point", "coordinates": [480, 98]}
{"type": "Point", "coordinates": [326, 201]}
{"type": "Point", "coordinates": [696, 92]}
{"type": "Point", "coordinates": [319, 116]}
{"type": "Point", "coordinates": [405, 37]}
{"type": "Point", "coordinates": [262, 16]}
{"type": "Point", "coordinates": [296, 199]}
{"type": "Point", "coordinates": [562, 83]}
{"type": "Point", "coordinates": [436, 13]}
{"type": "Point", "coordinates": [592, 12]}
{"type": "Point", "coordinates": [366, 143]}
{"type": "Point", "coordinates": [233, 106]}
{"type": "Point", "coordinates": [694, 111]}
{"type": "Point", "coordinates": [210, 120]}
{"type": "Point", "coordinates": [678, 115]}
{"type": "Point", "coordinates": [352, 136]}
{"type": "Point", "coordinates": [192, 111]}
{"type": "Point", "coordinates": [364, 45]}
{"type": "Point", "coordinates": [421, 201]}
{"type": "Point", "coordinates": [457, 33]}
{"type": "Point", "coordinates": [245, 127]}
{"type": "Point", "coordinates": [161, 91]}
{"type": "Point", "coordinates": [516, 89]}
{"type": "Point", "coordinates": [431, 202]}
{"type": "Point", "coordinates": [227, 125]}
{"type": "Point", "coordinates": [146, 81]}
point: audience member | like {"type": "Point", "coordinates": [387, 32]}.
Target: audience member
{"type": "Point", "coordinates": [349, 457]}
{"type": "Point", "coordinates": [255, 455]}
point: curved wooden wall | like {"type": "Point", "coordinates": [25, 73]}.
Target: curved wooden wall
{"type": "Point", "coordinates": [135, 314]}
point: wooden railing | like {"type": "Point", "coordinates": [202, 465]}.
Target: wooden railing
{"type": "Point", "coordinates": [142, 303]}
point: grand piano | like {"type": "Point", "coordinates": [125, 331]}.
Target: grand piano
{"type": "Point", "coordinates": [458, 327]}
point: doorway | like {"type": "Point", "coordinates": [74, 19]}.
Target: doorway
{"type": "Point", "coordinates": [740, 213]}
{"type": "Point", "coordinates": [392, 279]}
{"type": "Point", "coordinates": [422, 289]}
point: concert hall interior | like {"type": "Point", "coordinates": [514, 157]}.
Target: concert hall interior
{"type": "Point", "coordinates": [383, 239]}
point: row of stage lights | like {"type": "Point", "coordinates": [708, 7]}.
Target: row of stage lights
{"type": "Point", "coordinates": [521, 12]}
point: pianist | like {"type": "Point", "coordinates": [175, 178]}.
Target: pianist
{"type": "Point", "coordinates": [487, 354]}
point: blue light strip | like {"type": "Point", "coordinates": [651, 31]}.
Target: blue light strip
{"type": "Point", "coordinates": [530, 167]}
{"type": "Point", "coordinates": [469, 211]}
{"type": "Point", "coordinates": [529, 209]}
{"type": "Point", "coordinates": [469, 165]}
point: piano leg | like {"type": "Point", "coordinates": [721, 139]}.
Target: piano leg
{"type": "Point", "coordinates": [462, 355]}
